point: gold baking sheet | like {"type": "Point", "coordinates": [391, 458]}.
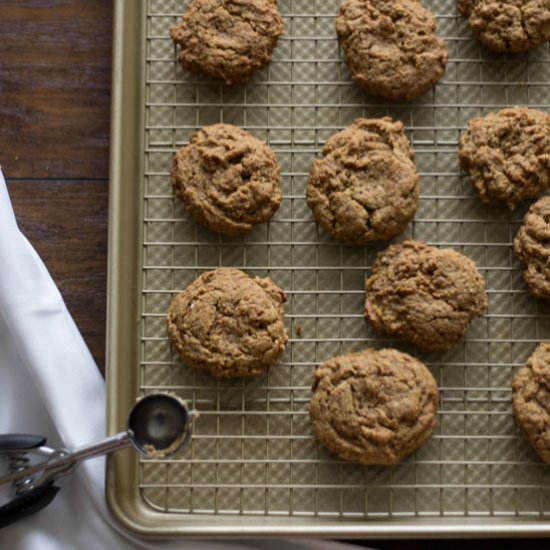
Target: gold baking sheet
{"type": "Point", "coordinates": [253, 467]}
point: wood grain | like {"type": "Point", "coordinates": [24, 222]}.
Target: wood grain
{"type": "Point", "coordinates": [66, 222]}
{"type": "Point", "coordinates": [55, 63]}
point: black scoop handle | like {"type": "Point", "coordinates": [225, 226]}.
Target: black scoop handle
{"type": "Point", "coordinates": [27, 504]}
{"type": "Point", "coordinates": [20, 441]}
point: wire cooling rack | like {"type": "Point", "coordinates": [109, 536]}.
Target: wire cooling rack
{"type": "Point", "coordinates": [253, 452]}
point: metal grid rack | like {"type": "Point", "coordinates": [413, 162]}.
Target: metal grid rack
{"type": "Point", "coordinates": [252, 452]}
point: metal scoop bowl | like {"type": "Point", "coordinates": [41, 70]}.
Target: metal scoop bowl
{"type": "Point", "coordinates": [159, 425]}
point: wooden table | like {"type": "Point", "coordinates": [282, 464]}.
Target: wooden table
{"type": "Point", "coordinates": [55, 63]}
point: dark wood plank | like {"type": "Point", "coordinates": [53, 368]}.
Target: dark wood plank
{"type": "Point", "coordinates": [66, 222]}
{"type": "Point", "coordinates": [55, 63]}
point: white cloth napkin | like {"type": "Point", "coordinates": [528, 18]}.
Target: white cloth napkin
{"type": "Point", "coordinates": [51, 386]}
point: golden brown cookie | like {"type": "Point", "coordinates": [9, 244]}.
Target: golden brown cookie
{"type": "Point", "coordinates": [228, 323]}
{"type": "Point", "coordinates": [227, 179]}
{"type": "Point", "coordinates": [507, 155]}
{"type": "Point", "coordinates": [531, 392]}
{"type": "Point", "coordinates": [228, 39]}
{"type": "Point", "coordinates": [390, 46]}
{"type": "Point", "coordinates": [425, 295]}
{"type": "Point", "coordinates": [373, 407]}
{"type": "Point", "coordinates": [508, 25]}
{"type": "Point", "coordinates": [532, 247]}
{"type": "Point", "coordinates": [365, 188]}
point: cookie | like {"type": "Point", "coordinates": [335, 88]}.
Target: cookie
{"type": "Point", "coordinates": [227, 179]}
{"type": "Point", "coordinates": [390, 46]}
{"type": "Point", "coordinates": [507, 155]}
{"type": "Point", "coordinates": [427, 296]}
{"type": "Point", "coordinates": [531, 396]}
{"type": "Point", "coordinates": [365, 187]}
{"type": "Point", "coordinates": [532, 247]}
{"type": "Point", "coordinates": [228, 39]}
{"type": "Point", "coordinates": [508, 25]}
{"type": "Point", "coordinates": [373, 407]}
{"type": "Point", "coordinates": [228, 323]}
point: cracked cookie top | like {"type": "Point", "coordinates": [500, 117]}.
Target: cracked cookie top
{"type": "Point", "coordinates": [508, 25]}
{"type": "Point", "coordinates": [228, 323]}
{"type": "Point", "coordinates": [228, 39]}
{"type": "Point", "coordinates": [531, 396]}
{"type": "Point", "coordinates": [390, 46]}
{"type": "Point", "coordinates": [373, 407]}
{"type": "Point", "coordinates": [507, 154]}
{"type": "Point", "coordinates": [227, 179]}
{"type": "Point", "coordinates": [365, 187]}
{"type": "Point", "coordinates": [425, 295]}
{"type": "Point", "coordinates": [532, 247]}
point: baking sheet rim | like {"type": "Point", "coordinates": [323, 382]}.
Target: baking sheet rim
{"type": "Point", "coordinates": [124, 502]}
